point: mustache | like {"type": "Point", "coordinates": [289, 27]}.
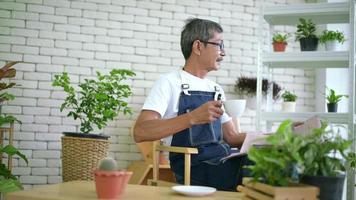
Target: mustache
{"type": "Point", "coordinates": [219, 59]}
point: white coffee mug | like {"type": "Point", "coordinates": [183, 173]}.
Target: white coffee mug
{"type": "Point", "coordinates": [235, 107]}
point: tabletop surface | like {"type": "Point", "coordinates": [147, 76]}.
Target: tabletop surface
{"type": "Point", "coordinates": [86, 190]}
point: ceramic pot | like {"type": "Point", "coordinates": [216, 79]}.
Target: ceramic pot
{"type": "Point", "coordinates": [288, 106]}
{"type": "Point", "coordinates": [332, 45]}
{"type": "Point", "coordinates": [111, 184]}
{"type": "Point", "coordinates": [279, 46]}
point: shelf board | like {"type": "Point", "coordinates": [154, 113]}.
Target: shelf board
{"type": "Point", "coordinates": [319, 13]}
{"type": "Point", "coordinates": [341, 118]}
{"type": "Point", "coordinates": [307, 59]}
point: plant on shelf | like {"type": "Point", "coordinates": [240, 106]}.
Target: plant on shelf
{"type": "Point", "coordinates": [333, 99]}
{"type": "Point", "coordinates": [280, 41]}
{"type": "Point", "coordinates": [306, 35]}
{"type": "Point", "coordinates": [246, 87]}
{"type": "Point", "coordinates": [8, 182]}
{"type": "Point", "coordinates": [331, 39]}
{"type": "Point", "coordinates": [289, 101]}
{"type": "Point", "coordinates": [94, 103]}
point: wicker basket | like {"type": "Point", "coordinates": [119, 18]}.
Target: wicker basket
{"type": "Point", "coordinates": [80, 156]}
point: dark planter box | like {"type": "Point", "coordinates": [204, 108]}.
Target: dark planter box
{"type": "Point", "coordinates": [309, 44]}
{"type": "Point", "coordinates": [331, 187]}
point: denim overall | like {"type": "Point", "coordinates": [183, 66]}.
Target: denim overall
{"type": "Point", "coordinates": [207, 169]}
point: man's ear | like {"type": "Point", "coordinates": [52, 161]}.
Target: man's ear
{"type": "Point", "coordinates": [196, 48]}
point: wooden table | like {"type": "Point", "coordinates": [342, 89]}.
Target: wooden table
{"type": "Point", "coordinates": [86, 190]}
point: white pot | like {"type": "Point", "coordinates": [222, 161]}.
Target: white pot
{"type": "Point", "coordinates": [332, 45]}
{"type": "Point", "coordinates": [288, 106]}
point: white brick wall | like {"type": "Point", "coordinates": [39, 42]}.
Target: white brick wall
{"type": "Point", "coordinates": [82, 36]}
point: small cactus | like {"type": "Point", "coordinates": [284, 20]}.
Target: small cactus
{"type": "Point", "coordinates": [108, 164]}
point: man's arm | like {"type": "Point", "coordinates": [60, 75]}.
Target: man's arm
{"type": "Point", "coordinates": [149, 125]}
{"type": "Point", "coordinates": [231, 135]}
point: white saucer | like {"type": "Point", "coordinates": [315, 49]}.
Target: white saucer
{"type": "Point", "coordinates": [195, 191]}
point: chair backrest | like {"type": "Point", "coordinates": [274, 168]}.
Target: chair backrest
{"type": "Point", "coordinates": [146, 148]}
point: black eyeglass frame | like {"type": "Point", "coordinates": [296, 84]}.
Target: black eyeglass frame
{"type": "Point", "coordinates": [221, 45]}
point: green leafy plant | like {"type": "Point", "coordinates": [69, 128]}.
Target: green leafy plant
{"type": "Point", "coordinates": [277, 163]}
{"type": "Point", "coordinates": [97, 101]}
{"type": "Point", "coordinates": [281, 38]}
{"type": "Point", "coordinates": [320, 152]}
{"type": "Point", "coordinates": [7, 72]}
{"type": "Point", "coordinates": [247, 86]}
{"type": "Point", "coordinates": [289, 96]}
{"type": "Point", "coordinates": [332, 97]}
{"type": "Point", "coordinates": [9, 182]}
{"type": "Point", "coordinates": [305, 29]}
{"type": "Point", "coordinates": [332, 35]}
{"type": "Point", "coordinates": [287, 155]}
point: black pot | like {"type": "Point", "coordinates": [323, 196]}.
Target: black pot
{"type": "Point", "coordinates": [331, 187]}
{"type": "Point", "coordinates": [332, 107]}
{"type": "Point", "coordinates": [86, 135]}
{"type": "Point", "coordinates": [309, 44]}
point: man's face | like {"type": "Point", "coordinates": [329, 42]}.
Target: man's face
{"type": "Point", "coordinates": [212, 52]}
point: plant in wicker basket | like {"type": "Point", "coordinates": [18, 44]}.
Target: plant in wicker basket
{"type": "Point", "coordinates": [95, 103]}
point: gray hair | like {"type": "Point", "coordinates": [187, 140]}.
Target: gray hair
{"type": "Point", "coordinates": [197, 29]}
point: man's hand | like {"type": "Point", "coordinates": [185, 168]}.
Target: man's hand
{"type": "Point", "coordinates": [206, 113]}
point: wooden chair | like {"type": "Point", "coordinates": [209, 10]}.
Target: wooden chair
{"type": "Point", "coordinates": [154, 169]}
{"type": "Point", "coordinates": [158, 147]}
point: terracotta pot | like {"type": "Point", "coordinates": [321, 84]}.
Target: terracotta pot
{"type": "Point", "coordinates": [279, 46]}
{"type": "Point", "coordinates": [111, 184]}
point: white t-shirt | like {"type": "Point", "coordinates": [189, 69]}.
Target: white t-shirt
{"type": "Point", "coordinates": [164, 95]}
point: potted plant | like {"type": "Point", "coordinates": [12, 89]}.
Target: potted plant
{"type": "Point", "coordinates": [333, 99]}
{"type": "Point", "coordinates": [8, 182]}
{"type": "Point", "coordinates": [306, 35]}
{"type": "Point", "coordinates": [324, 155]}
{"type": "Point", "coordinates": [315, 158]}
{"type": "Point", "coordinates": [331, 39]}
{"type": "Point", "coordinates": [280, 42]}
{"type": "Point", "coordinates": [289, 101]}
{"type": "Point", "coordinates": [110, 182]}
{"type": "Point", "coordinates": [246, 87]}
{"type": "Point", "coordinates": [94, 103]}
{"type": "Point", "coordinates": [277, 165]}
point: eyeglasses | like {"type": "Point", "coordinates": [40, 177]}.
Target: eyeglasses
{"type": "Point", "coordinates": [221, 45]}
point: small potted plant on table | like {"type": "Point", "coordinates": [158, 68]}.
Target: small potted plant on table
{"type": "Point", "coordinates": [96, 103]}
{"type": "Point", "coordinates": [306, 35]}
{"type": "Point", "coordinates": [333, 99]}
{"type": "Point", "coordinates": [289, 101]}
{"type": "Point", "coordinates": [279, 42]}
{"type": "Point", "coordinates": [332, 39]}
{"type": "Point", "coordinates": [110, 182]}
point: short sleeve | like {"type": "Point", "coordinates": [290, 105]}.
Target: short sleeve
{"type": "Point", "coordinates": [159, 96]}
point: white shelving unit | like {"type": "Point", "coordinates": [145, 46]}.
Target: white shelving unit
{"type": "Point", "coordinates": [319, 13]}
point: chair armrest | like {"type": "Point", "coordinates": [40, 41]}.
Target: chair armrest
{"type": "Point", "coordinates": [177, 149]}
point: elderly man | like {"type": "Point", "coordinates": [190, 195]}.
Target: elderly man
{"type": "Point", "coordinates": [186, 107]}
